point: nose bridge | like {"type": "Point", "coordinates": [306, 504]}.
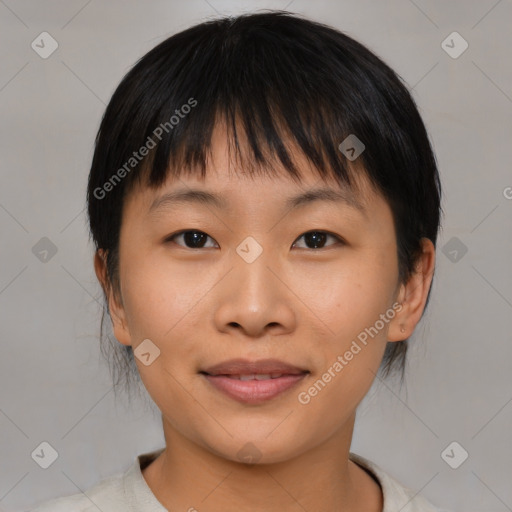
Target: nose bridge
{"type": "Point", "coordinates": [253, 298]}
{"type": "Point", "coordinates": [252, 272]}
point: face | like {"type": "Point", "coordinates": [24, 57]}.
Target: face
{"type": "Point", "coordinates": [314, 286]}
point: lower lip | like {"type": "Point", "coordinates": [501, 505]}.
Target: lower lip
{"type": "Point", "coordinates": [254, 391]}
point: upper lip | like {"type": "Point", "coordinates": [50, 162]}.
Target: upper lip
{"type": "Point", "coordinates": [247, 367]}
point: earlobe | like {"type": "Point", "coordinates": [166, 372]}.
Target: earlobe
{"type": "Point", "coordinates": [100, 268]}
{"type": "Point", "coordinates": [116, 310]}
{"type": "Point", "coordinates": [413, 295]}
{"type": "Point", "coordinates": [397, 330]}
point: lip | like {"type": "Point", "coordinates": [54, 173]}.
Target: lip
{"type": "Point", "coordinates": [254, 391]}
{"type": "Point", "coordinates": [222, 377]}
{"type": "Point", "coordinates": [248, 367]}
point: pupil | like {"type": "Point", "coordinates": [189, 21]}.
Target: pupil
{"type": "Point", "coordinates": [191, 237]}
{"type": "Point", "coordinates": [314, 236]}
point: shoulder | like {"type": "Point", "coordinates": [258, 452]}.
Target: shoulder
{"type": "Point", "coordinates": [107, 495]}
{"type": "Point", "coordinates": [121, 492]}
{"type": "Point", "coordinates": [396, 496]}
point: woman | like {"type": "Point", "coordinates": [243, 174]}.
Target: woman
{"type": "Point", "coordinates": [265, 203]}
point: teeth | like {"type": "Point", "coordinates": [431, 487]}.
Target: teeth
{"type": "Point", "coordinates": [259, 376]}
{"type": "Point", "coordinates": [262, 376]}
{"type": "Point", "coordinates": [246, 377]}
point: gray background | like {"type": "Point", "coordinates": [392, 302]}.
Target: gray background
{"type": "Point", "coordinates": [55, 387]}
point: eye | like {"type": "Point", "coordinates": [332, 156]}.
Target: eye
{"type": "Point", "coordinates": [317, 238]}
{"type": "Point", "coordinates": [193, 239]}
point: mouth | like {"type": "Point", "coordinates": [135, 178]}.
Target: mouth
{"type": "Point", "coordinates": [245, 367]}
{"type": "Point", "coordinates": [249, 376]}
{"type": "Point", "coordinates": [253, 382]}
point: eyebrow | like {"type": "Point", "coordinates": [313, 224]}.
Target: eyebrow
{"type": "Point", "coordinates": [190, 196]}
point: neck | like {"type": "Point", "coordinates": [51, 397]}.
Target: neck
{"type": "Point", "coordinates": [187, 476]}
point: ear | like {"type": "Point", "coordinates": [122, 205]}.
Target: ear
{"type": "Point", "coordinates": [413, 294]}
{"type": "Point", "coordinates": [115, 306]}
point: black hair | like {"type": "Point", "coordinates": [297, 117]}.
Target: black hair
{"type": "Point", "coordinates": [275, 77]}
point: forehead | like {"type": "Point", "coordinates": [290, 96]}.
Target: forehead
{"type": "Point", "coordinates": [227, 192]}
{"type": "Point", "coordinates": [233, 180]}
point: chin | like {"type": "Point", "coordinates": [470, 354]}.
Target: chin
{"type": "Point", "coordinates": [257, 450]}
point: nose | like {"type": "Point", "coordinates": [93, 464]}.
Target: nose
{"type": "Point", "coordinates": [255, 299]}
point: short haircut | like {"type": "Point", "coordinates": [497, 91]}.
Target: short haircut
{"type": "Point", "coordinates": [276, 77]}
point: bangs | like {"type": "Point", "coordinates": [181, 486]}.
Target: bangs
{"type": "Point", "coordinates": [274, 96]}
{"type": "Point", "coordinates": [255, 148]}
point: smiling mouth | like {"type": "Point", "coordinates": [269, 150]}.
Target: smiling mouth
{"type": "Point", "coordinates": [249, 376]}
{"type": "Point", "coordinates": [254, 389]}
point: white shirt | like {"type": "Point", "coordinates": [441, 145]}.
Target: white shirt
{"type": "Point", "coordinates": [129, 492]}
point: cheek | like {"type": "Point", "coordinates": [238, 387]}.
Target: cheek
{"type": "Point", "coordinates": [159, 298]}
{"type": "Point", "coordinates": [166, 305]}
{"type": "Point", "coordinates": [348, 295]}
{"type": "Point", "coordinates": [163, 305]}
{"type": "Point", "coordinates": [354, 303]}
{"type": "Point", "coordinates": [351, 351]}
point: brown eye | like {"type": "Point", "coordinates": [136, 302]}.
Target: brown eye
{"type": "Point", "coordinates": [317, 239]}
{"type": "Point", "coordinates": [192, 239]}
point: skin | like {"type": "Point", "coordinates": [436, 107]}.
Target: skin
{"type": "Point", "coordinates": [295, 302]}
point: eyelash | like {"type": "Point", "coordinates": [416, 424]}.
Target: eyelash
{"type": "Point", "coordinates": [332, 235]}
